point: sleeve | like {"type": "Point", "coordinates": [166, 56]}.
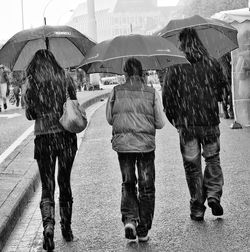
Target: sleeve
{"type": "Point", "coordinates": [6, 77]}
{"type": "Point", "coordinates": [158, 111]}
{"type": "Point", "coordinates": [169, 95]}
{"type": "Point", "coordinates": [71, 89]}
{"type": "Point", "coordinates": [222, 83]}
{"type": "Point", "coordinates": [109, 107]}
{"type": "Point", "coordinates": [29, 103]}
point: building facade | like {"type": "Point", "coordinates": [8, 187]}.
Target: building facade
{"type": "Point", "coordinates": [125, 17]}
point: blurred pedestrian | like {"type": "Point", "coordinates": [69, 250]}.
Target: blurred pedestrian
{"type": "Point", "coordinates": [160, 74]}
{"type": "Point", "coordinates": [227, 102]}
{"type": "Point", "coordinates": [190, 99]}
{"type": "Point", "coordinates": [4, 85]}
{"type": "Point", "coordinates": [18, 80]}
{"type": "Point", "coordinates": [135, 112]}
{"type": "Point", "coordinates": [46, 90]}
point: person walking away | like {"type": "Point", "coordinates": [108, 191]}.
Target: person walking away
{"type": "Point", "coordinates": [227, 102]}
{"type": "Point", "coordinates": [135, 112]}
{"type": "Point", "coordinates": [161, 74]}
{"type": "Point", "coordinates": [190, 99]}
{"type": "Point", "coordinates": [4, 82]}
{"type": "Point", "coordinates": [46, 90]}
{"type": "Point", "coordinates": [17, 84]}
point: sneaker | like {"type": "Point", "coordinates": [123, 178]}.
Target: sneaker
{"type": "Point", "coordinates": [196, 218]}
{"type": "Point", "coordinates": [5, 106]}
{"type": "Point", "coordinates": [216, 207]}
{"type": "Point", "coordinates": [130, 232]}
{"type": "Point", "coordinates": [197, 211]}
{"type": "Point", "coordinates": [143, 238]}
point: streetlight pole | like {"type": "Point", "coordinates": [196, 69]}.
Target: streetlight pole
{"type": "Point", "coordinates": [44, 18]}
{"type": "Point", "coordinates": [22, 14]}
{"type": "Point", "coordinates": [92, 29]}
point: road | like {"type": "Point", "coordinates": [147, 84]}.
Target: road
{"type": "Point", "coordinates": [96, 183]}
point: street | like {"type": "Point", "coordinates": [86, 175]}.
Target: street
{"type": "Point", "coordinates": [96, 184]}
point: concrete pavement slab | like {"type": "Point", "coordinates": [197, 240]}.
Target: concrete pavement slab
{"type": "Point", "coordinates": [19, 174]}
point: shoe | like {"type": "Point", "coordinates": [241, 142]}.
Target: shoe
{"type": "Point", "coordinates": [66, 215]}
{"type": "Point", "coordinates": [130, 232]}
{"type": "Point", "coordinates": [5, 106]}
{"type": "Point", "coordinates": [197, 211]}
{"type": "Point", "coordinates": [196, 218]}
{"type": "Point", "coordinates": [48, 238]}
{"type": "Point", "coordinates": [143, 238]}
{"type": "Point", "coordinates": [216, 207]}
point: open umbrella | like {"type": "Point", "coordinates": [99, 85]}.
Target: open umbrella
{"type": "Point", "coordinates": [217, 36]}
{"type": "Point", "coordinates": [68, 45]}
{"type": "Point", "coordinates": [109, 56]}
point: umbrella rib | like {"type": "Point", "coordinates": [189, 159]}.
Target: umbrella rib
{"type": "Point", "coordinates": [195, 25]}
{"type": "Point", "coordinates": [72, 41]}
{"type": "Point", "coordinates": [136, 55]}
{"type": "Point", "coordinates": [17, 56]}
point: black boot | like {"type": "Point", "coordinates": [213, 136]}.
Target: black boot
{"type": "Point", "coordinates": [66, 215]}
{"type": "Point", "coordinates": [48, 216]}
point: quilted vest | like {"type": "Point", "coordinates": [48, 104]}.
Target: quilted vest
{"type": "Point", "coordinates": [133, 117]}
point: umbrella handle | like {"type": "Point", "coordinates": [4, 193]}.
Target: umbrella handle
{"type": "Point", "coordinates": [47, 43]}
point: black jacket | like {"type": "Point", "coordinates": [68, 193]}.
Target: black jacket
{"type": "Point", "coordinates": [191, 93]}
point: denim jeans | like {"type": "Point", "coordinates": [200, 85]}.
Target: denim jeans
{"type": "Point", "coordinates": [209, 185]}
{"type": "Point", "coordinates": [138, 205]}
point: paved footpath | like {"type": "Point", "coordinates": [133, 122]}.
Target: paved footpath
{"type": "Point", "coordinates": [19, 175]}
{"type": "Point", "coordinates": [96, 185]}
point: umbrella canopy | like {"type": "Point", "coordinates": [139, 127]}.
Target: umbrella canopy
{"type": "Point", "coordinates": [153, 52]}
{"type": "Point", "coordinates": [68, 45]}
{"type": "Point", "coordinates": [217, 36]}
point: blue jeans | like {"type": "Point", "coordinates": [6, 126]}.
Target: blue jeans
{"type": "Point", "coordinates": [209, 185]}
{"type": "Point", "coordinates": [138, 207]}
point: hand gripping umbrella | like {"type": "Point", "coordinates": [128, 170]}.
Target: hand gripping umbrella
{"type": "Point", "coordinates": [154, 53]}
{"type": "Point", "coordinates": [217, 36]}
{"type": "Point", "coordinates": [68, 45]}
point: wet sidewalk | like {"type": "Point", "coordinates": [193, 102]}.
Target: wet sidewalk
{"type": "Point", "coordinates": [19, 175]}
{"type": "Point", "coordinates": [96, 186]}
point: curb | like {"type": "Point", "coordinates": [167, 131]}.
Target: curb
{"type": "Point", "coordinates": [16, 202]}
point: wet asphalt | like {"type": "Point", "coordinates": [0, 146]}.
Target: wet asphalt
{"type": "Point", "coordinates": [96, 182]}
{"type": "Point", "coordinates": [96, 185]}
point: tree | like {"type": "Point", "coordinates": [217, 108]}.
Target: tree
{"type": "Point", "coordinates": [207, 8]}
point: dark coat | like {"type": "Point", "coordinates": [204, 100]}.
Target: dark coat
{"type": "Point", "coordinates": [191, 93]}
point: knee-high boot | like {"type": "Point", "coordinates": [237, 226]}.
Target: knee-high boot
{"type": "Point", "coordinates": [48, 217]}
{"type": "Point", "coordinates": [66, 215]}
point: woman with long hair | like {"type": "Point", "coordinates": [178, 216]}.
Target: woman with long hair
{"type": "Point", "coordinates": [46, 90]}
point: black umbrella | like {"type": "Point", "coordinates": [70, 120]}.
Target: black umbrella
{"type": "Point", "coordinates": [109, 56]}
{"type": "Point", "coordinates": [217, 36]}
{"type": "Point", "coordinates": [68, 45]}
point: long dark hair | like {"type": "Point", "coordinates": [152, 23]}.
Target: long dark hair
{"type": "Point", "coordinates": [191, 45]}
{"type": "Point", "coordinates": [47, 80]}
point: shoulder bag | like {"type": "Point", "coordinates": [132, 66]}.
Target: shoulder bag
{"type": "Point", "coordinates": [74, 117]}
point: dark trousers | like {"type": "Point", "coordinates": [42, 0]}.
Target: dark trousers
{"type": "Point", "coordinates": [210, 184]}
{"type": "Point", "coordinates": [16, 91]}
{"type": "Point", "coordinates": [48, 148]}
{"type": "Point", "coordinates": [138, 205]}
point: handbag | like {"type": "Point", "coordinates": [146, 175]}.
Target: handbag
{"type": "Point", "coordinates": [74, 117]}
